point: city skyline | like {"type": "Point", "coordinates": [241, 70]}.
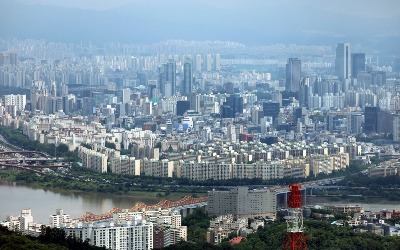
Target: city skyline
{"type": "Point", "coordinates": [155, 100]}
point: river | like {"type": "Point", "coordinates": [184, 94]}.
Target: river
{"type": "Point", "coordinates": [15, 197]}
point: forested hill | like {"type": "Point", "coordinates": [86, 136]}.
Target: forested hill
{"type": "Point", "coordinates": [320, 235]}
{"type": "Point", "coordinates": [49, 239]}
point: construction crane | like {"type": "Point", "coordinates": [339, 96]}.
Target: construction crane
{"type": "Point", "coordinates": [295, 238]}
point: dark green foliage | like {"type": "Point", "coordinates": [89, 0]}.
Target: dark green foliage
{"type": "Point", "coordinates": [388, 186]}
{"type": "Point", "coordinates": [185, 245]}
{"type": "Point", "coordinates": [197, 223]}
{"type": "Point", "coordinates": [52, 235]}
{"type": "Point", "coordinates": [320, 236]}
{"type": "Point", "coordinates": [362, 180]}
{"type": "Point", "coordinates": [49, 239]}
{"type": "Point", "coordinates": [15, 91]}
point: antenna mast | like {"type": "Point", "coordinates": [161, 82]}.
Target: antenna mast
{"type": "Point", "coordinates": [295, 238]}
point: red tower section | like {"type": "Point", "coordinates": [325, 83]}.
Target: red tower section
{"type": "Point", "coordinates": [295, 238]}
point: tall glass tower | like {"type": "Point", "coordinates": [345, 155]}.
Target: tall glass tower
{"type": "Point", "coordinates": [343, 61]}
{"type": "Point", "coordinates": [293, 74]}
{"type": "Point", "coordinates": [187, 77]}
{"type": "Point", "coordinates": [357, 64]}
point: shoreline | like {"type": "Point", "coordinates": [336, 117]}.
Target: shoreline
{"type": "Point", "coordinates": [310, 200]}
{"type": "Point", "coordinates": [153, 197]}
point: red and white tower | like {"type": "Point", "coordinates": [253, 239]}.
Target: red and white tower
{"type": "Point", "coordinates": [295, 238]}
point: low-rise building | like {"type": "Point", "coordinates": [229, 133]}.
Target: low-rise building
{"type": "Point", "coordinates": [222, 226]}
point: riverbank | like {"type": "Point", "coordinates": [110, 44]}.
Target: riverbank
{"type": "Point", "coordinates": [147, 196]}
{"type": "Point", "coordinates": [89, 182]}
{"type": "Point", "coordinates": [44, 202]}
{"type": "Point", "coordinates": [320, 200]}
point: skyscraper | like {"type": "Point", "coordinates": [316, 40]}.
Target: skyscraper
{"type": "Point", "coordinates": [217, 62]}
{"type": "Point", "coordinates": [357, 64]}
{"type": "Point", "coordinates": [126, 95]}
{"type": "Point", "coordinates": [271, 109]}
{"type": "Point", "coordinates": [232, 106]}
{"type": "Point", "coordinates": [208, 62]}
{"type": "Point", "coordinates": [370, 119]}
{"type": "Point", "coordinates": [343, 61]}
{"type": "Point", "coordinates": [187, 83]}
{"type": "Point", "coordinates": [167, 82]}
{"type": "Point", "coordinates": [293, 74]}
{"type": "Point", "coordinates": [197, 63]}
{"type": "Point", "coordinates": [304, 92]}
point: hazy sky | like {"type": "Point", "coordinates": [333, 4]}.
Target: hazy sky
{"type": "Point", "coordinates": [247, 21]}
{"type": "Point", "coordinates": [364, 8]}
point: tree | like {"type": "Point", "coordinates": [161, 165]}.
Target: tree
{"type": "Point", "coordinates": [52, 235]}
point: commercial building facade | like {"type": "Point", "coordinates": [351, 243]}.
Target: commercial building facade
{"type": "Point", "coordinates": [242, 202]}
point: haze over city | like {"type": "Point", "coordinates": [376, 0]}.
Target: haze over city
{"type": "Point", "coordinates": [255, 22]}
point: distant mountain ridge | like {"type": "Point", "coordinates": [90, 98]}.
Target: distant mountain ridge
{"type": "Point", "coordinates": [154, 21]}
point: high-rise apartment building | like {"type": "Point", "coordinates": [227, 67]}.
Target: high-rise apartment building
{"type": "Point", "coordinates": [56, 220]}
{"type": "Point", "coordinates": [357, 64]}
{"type": "Point", "coordinates": [8, 59]}
{"type": "Point", "coordinates": [19, 101]}
{"type": "Point", "coordinates": [126, 95]}
{"type": "Point", "coordinates": [208, 62]}
{"type": "Point", "coordinates": [343, 61]}
{"type": "Point", "coordinates": [396, 128]}
{"type": "Point", "coordinates": [134, 234]}
{"type": "Point", "coordinates": [93, 159]}
{"type": "Point", "coordinates": [293, 74]}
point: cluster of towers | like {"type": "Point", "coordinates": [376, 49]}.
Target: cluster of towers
{"type": "Point", "coordinates": [167, 84]}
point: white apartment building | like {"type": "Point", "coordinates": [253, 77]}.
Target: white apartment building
{"type": "Point", "coordinates": [19, 101]}
{"type": "Point", "coordinates": [23, 223]}
{"type": "Point", "coordinates": [328, 163]}
{"type": "Point", "coordinates": [56, 220]}
{"type": "Point", "coordinates": [259, 169]}
{"type": "Point", "coordinates": [296, 168]}
{"type": "Point", "coordinates": [153, 167]}
{"type": "Point", "coordinates": [125, 165]}
{"type": "Point", "coordinates": [93, 159]}
{"type": "Point", "coordinates": [206, 170]}
{"type": "Point", "coordinates": [162, 218]}
{"type": "Point", "coordinates": [221, 170]}
{"type": "Point", "coordinates": [134, 234]}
